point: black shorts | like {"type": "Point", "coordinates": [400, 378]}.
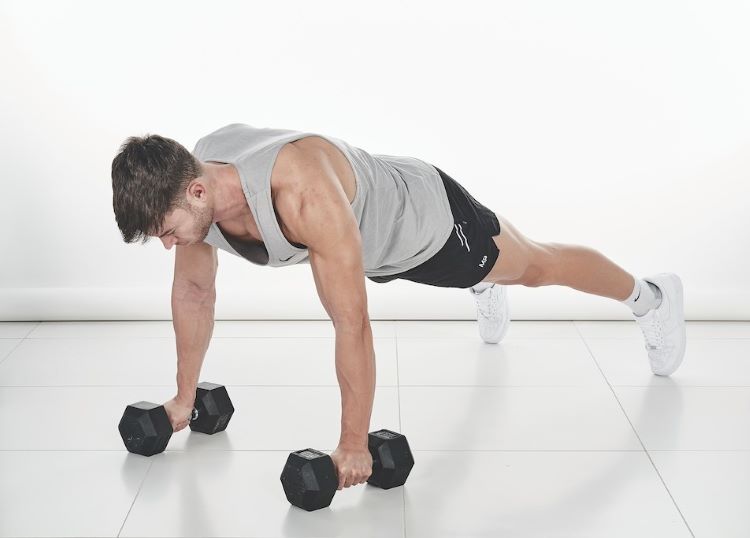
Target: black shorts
{"type": "Point", "coordinates": [468, 254]}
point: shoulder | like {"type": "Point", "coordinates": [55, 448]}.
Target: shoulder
{"type": "Point", "coordinates": [299, 161]}
{"type": "Point", "coordinates": [305, 188]}
{"type": "Point", "coordinates": [285, 177]}
{"type": "Point", "coordinates": [289, 178]}
{"type": "Point", "coordinates": [304, 153]}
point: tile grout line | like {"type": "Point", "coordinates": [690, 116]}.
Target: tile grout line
{"type": "Point", "coordinates": [635, 432]}
{"type": "Point", "coordinates": [20, 341]}
{"type": "Point", "coordinates": [34, 328]}
{"type": "Point", "coordinates": [440, 450]}
{"type": "Point", "coordinates": [398, 400]}
{"type": "Point", "coordinates": [398, 384]}
{"type": "Point", "coordinates": [161, 386]}
{"type": "Point", "coordinates": [463, 386]}
{"type": "Point", "coordinates": [10, 351]}
{"type": "Point", "coordinates": [293, 338]}
{"type": "Point", "coordinates": [140, 486]}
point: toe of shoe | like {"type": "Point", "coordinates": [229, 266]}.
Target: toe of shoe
{"type": "Point", "coordinates": [494, 334]}
{"type": "Point", "coordinates": [667, 365]}
{"type": "Point", "coordinates": [665, 370]}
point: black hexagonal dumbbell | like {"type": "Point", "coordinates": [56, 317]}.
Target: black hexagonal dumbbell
{"type": "Point", "coordinates": [309, 476]}
{"type": "Point", "coordinates": [145, 428]}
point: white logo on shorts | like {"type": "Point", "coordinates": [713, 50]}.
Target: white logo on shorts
{"type": "Point", "coordinates": [484, 259]}
{"type": "Point", "coordinates": [461, 230]}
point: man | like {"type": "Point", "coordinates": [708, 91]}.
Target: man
{"type": "Point", "coordinates": [279, 197]}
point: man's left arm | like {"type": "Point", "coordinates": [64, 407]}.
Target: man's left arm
{"type": "Point", "coordinates": [326, 224]}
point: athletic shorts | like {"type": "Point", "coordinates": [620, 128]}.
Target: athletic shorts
{"type": "Point", "coordinates": [469, 253]}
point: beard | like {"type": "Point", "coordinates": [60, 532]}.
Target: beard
{"type": "Point", "coordinates": [204, 218]}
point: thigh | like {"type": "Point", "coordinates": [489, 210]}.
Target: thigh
{"type": "Point", "coordinates": [521, 260]}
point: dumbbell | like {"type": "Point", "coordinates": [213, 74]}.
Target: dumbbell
{"type": "Point", "coordinates": [145, 427]}
{"type": "Point", "coordinates": [309, 477]}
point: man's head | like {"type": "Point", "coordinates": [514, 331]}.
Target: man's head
{"type": "Point", "coordinates": [158, 190]}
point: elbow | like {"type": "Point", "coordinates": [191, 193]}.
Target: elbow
{"type": "Point", "coordinates": [354, 323]}
{"type": "Point", "coordinates": [192, 293]}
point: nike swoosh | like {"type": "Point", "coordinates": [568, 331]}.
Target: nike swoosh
{"type": "Point", "coordinates": [289, 258]}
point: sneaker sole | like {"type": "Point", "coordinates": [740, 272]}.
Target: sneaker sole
{"type": "Point", "coordinates": [675, 283]}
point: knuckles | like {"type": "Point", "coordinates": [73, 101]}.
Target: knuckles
{"type": "Point", "coordinates": [351, 476]}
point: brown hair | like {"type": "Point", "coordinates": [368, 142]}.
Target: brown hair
{"type": "Point", "coordinates": [149, 177]}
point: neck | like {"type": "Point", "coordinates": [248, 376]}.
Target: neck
{"type": "Point", "coordinates": [229, 198]}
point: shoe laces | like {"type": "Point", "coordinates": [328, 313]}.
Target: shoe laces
{"type": "Point", "coordinates": [652, 332]}
{"type": "Point", "coordinates": [488, 306]}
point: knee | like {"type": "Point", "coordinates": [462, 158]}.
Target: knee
{"type": "Point", "coordinates": [531, 279]}
{"type": "Point", "coordinates": [544, 266]}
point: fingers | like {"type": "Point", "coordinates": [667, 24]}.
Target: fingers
{"type": "Point", "coordinates": [350, 478]}
{"type": "Point", "coordinates": [364, 476]}
{"type": "Point", "coordinates": [343, 478]}
{"type": "Point", "coordinates": [181, 425]}
{"type": "Point", "coordinates": [352, 467]}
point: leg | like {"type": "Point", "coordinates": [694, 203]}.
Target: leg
{"type": "Point", "coordinates": [585, 269]}
{"type": "Point", "coordinates": [529, 263]}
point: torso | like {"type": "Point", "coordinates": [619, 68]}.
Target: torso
{"type": "Point", "coordinates": [245, 231]}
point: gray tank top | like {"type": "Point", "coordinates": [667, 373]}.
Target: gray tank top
{"type": "Point", "coordinates": [400, 203]}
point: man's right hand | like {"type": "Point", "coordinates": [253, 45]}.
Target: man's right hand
{"type": "Point", "coordinates": [179, 413]}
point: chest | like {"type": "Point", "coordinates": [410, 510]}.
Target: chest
{"type": "Point", "coordinates": [244, 232]}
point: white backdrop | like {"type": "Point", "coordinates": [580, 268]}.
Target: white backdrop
{"type": "Point", "coordinates": [623, 126]}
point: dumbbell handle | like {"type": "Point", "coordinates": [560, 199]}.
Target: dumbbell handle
{"type": "Point", "coordinates": [193, 415]}
{"type": "Point", "coordinates": [321, 453]}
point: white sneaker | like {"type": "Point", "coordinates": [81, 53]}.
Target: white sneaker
{"type": "Point", "coordinates": [664, 327]}
{"type": "Point", "coordinates": [492, 312]}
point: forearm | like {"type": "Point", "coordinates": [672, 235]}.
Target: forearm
{"type": "Point", "coordinates": [355, 370]}
{"type": "Point", "coordinates": [193, 320]}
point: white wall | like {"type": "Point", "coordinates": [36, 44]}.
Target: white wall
{"type": "Point", "coordinates": [623, 126]}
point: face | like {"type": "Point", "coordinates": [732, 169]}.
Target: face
{"type": "Point", "coordinates": [186, 226]}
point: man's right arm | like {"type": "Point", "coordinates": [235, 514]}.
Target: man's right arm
{"type": "Point", "coordinates": [193, 301]}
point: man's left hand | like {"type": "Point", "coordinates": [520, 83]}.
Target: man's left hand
{"type": "Point", "coordinates": [353, 465]}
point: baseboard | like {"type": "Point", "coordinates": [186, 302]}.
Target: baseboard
{"type": "Point", "coordinates": [395, 300]}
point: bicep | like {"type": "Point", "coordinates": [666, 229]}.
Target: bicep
{"type": "Point", "coordinates": [335, 252]}
{"type": "Point", "coordinates": [339, 279]}
{"type": "Point", "coordinates": [326, 224]}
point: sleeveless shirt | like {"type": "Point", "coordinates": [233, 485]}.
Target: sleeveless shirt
{"type": "Point", "coordinates": [400, 203]}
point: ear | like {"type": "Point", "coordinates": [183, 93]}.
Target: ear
{"type": "Point", "coordinates": [197, 188]}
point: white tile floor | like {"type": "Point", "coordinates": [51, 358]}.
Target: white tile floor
{"type": "Point", "coordinates": [560, 430]}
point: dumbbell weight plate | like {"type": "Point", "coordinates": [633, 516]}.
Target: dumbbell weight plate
{"type": "Point", "coordinates": [309, 479]}
{"type": "Point", "coordinates": [392, 459]}
{"type": "Point", "coordinates": [145, 428]}
{"type": "Point", "coordinates": [213, 408]}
